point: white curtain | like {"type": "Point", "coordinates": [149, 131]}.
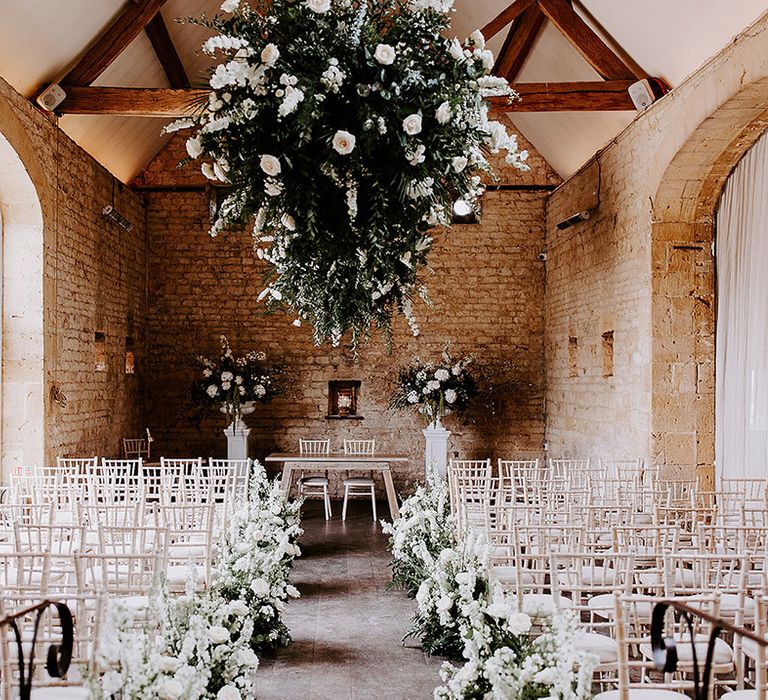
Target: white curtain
{"type": "Point", "coordinates": [741, 392]}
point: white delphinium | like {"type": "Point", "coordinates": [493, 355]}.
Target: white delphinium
{"type": "Point", "coordinates": [444, 113]}
{"type": "Point", "coordinates": [332, 77]}
{"type": "Point", "coordinates": [417, 155]}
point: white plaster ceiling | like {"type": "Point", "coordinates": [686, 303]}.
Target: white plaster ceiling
{"type": "Point", "coordinates": [40, 39]}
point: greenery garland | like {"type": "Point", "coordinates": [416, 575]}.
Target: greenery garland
{"type": "Point", "coordinates": [346, 129]}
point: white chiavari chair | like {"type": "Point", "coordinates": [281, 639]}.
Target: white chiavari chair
{"type": "Point", "coordinates": [117, 479]}
{"type": "Point", "coordinates": [189, 544]}
{"type": "Point", "coordinates": [638, 678]}
{"type": "Point", "coordinates": [128, 579]}
{"type": "Point", "coordinates": [60, 542]}
{"type": "Point", "coordinates": [359, 485]}
{"type": "Point", "coordinates": [132, 540]}
{"type": "Point", "coordinates": [316, 484]}
{"type": "Point", "coordinates": [520, 476]}
{"type": "Point", "coordinates": [87, 612]}
{"type": "Point", "coordinates": [181, 480]}
{"type": "Point", "coordinates": [239, 471]}
{"type": "Point", "coordinates": [25, 572]}
{"type": "Point", "coordinates": [754, 491]}
{"type": "Point", "coordinates": [470, 484]}
{"type": "Point", "coordinates": [754, 663]}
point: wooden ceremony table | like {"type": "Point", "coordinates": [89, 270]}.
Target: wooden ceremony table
{"type": "Point", "coordinates": [293, 461]}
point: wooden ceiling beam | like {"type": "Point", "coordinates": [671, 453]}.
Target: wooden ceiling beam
{"type": "Point", "coordinates": [166, 53]}
{"type": "Point", "coordinates": [586, 42]}
{"type": "Point", "coordinates": [133, 102]}
{"type": "Point", "coordinates": [592, 96]}
{"type": "Point", "coordinates": [510, 14]}
{"type": "Point", "coordinates": [112, 42]}
{"type": "Point", "coordinates": [519, 42]}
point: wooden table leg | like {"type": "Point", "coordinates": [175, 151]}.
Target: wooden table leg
{"type": "Point", "coordinates": [394, 511]}
{"type": "Point", "coordinates": [286, 480]}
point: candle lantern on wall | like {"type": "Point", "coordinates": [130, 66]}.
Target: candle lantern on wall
{"type": "Point", "coordinates": [342, 398]}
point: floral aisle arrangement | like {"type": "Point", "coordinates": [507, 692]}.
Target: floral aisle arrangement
{"type": "Point", "coordinates": [205, 645]}
{"type": "Point", "coordinates": [435, 388]}
{"type": "Point", "coordinates": [234, 381]}
{"type": "Point", "coordinates": [346, 129]}
{"type": "Point", "coordinates": [424, 529]}
{"type": "Point", "coordinates": [463, 614]}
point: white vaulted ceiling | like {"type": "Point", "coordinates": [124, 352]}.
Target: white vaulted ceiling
{"type": "Point", "coordinates": [40, 39]}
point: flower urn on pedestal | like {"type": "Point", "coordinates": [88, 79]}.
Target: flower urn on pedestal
{"type": "Point", "coordinates": [436, 448]}
{"type": "Point", "coordinates": [237, 432]}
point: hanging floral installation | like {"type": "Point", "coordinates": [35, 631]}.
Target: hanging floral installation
{"type": "Point", "coordinates": [346, 130]}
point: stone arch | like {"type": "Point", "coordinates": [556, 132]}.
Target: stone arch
{"type": "Point", "coordinates": [683, 281]}
{"type": "Point", "coordinates": [22, 400]}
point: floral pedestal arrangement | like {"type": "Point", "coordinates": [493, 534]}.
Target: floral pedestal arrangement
{"type": "Point", "coordinates": [237, 432]}
{"type": "Point", "coordinates": [436, 448]}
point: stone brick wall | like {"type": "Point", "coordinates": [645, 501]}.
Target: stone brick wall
{"type": "Point", "coordinates": [641, 267]}
{"type": "Point", "coordinates": [93, 281]}
{"type": "Point", "coordinates": [487, 292]}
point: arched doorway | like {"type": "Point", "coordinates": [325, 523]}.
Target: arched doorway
{"type": "Point", "coordinates": [22, 400]}
{"type": "Point", "coordinates": [683, 275]}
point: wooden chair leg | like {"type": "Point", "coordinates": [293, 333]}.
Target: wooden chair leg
{"type": "Point", "coordinates": [373, 502]}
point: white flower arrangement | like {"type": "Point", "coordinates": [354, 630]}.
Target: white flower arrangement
{"type": "Point", "coordinates": [206, 644]}
{"type": "Point", "coordinates": [461, 614]}
{"type": "Point", "coordinates": [435, 389]}
{"type": "Point", "coordinates": [341, 96]}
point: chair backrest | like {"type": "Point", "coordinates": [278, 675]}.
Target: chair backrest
{"type": "Point", "coordinates": [132, 540]}
{"type": "Point", "coordinates": [359, 447]}
{"type": "Point", "coordinates": [87, 611]}
{"type": "Point", "coordinates": [136, 447]}
{"type": "Point", "coordinates": [314, 447]}
{"type": "Point", "coordinates": [25, 572]}
{"type": "Point", "coordinates": [118, 574]}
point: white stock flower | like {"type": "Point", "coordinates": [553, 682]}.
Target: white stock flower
{"type": "Point", "coordinates": [450, 395]}
{"type": "Point", "coordinates": [459, 163]}
{"type": "Point", "coordinates": [442, 374]}
{"type": "Point", "coordinates": [293, 96]}
{"type": "Point", "coordinates": [412, 124]}
{"type": "Point", "coordinates": [168, 664]}
{"type": "Point", "coordinates": [444, 113]}
{"type": "Point", "coordinates": [319, 5]}
{"type": "Point", "coordinates": [194, 147]}
{"type": "Point", "coordinates": [218, 634]}
{"type": "Point", "coordinates": [433, 384]}
{"type": "Point", "coordinates": [248, 658]}
{"type": "Point", "coordinates": [478, 39]}
{"type": "Point", "coordinates": [485, 57]}
{"type": "Point", "coordinates": [230, 5]}
{"type": "Point", "coordinates": [343, 142]}
{"type": "Point", "coordinates": [238, 607]}
{"type": "Point", "coordinates": [385, 54]}
{"type": "Point", "coordinates": [270, 165]}
{"type": "Point", "coordinates": [269, 55]}
{"type": "Point", "coordinates": [212, 391]}
{"type": "Point", "coordinates": [456, 50]}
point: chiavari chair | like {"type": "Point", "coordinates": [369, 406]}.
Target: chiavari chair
{"type": "Point", "coordinates": [316, 484]}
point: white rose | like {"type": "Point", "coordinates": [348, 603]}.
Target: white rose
{"type": "Point", "coordinates": [344, 142]}
{"type": "Point", "coordinates": [459, 163]}
{"type": "Point", "coordinates": [450, 396]}
{"type": "Point", "coordinates": [168, 664]}
{"type": "Point", "coordinates": [442, 374]}
{"type": "Point", "coordinates": [194, 147]}
{"type": "Point", "coordinates": [444, 113]}
{"type": "Point", "coordinates": [412, 124]}
{"type": "Point", "coordinates": [518, 623]}
{"type": "Point", "coordinates": [547, 676]}
{"type": "Point", "coordinates": [238, 607]}
{"type": "Point", "coordinates": [385, 54]}
{"type": "Point", "coordinates": [319, 5]}
{"type": "Point", "coordinates": [230, 5]}
{"type": "Point", "coordinates": [218, 634]}
{"type": "Point", "coordinates": [433, 384]}
{"type": "Point", "coordinates": [169, 689]}
{"type": "Point", "coordinates": [456, 50]}
{"type": "Point", "coordinates": [248, 658]}
{"type": "Point", "coordinates": [228, 692]}
{"type": "Point", "coordinates": [270, 165]}
{"type": "Point", "coordinates": [260, 587]}
{"type": "Point", "coordinates": [270, 54]}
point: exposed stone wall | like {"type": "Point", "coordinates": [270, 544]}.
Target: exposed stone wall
{"type": "Point", "coordinates": [487, 292]}
{"type": "Point", "coordinates": [641, 267]}
{"type": "Point", "coordinates": [93, 281]}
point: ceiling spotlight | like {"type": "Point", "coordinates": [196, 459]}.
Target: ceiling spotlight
{"type": "Point", "coordinates": [463, 213]}
{"type": "Point", "coordinates": [109, 212]}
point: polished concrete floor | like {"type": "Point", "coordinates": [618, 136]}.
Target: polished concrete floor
{"type": "Point", "coordinates": [347, 626]}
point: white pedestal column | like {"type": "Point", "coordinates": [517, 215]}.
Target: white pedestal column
{"type": "Point", "coordinates": [436, 451]}
{"type": "Point", "coordinates": [238, 434]}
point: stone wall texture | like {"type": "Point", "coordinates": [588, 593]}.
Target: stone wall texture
{"type": "Point", "coordinates": [93, 281]}
{"type": "Point", "coordinates": [641, 268]}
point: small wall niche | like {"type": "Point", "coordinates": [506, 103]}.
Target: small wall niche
{"type": "Point", "coordinates": [573, 357]}
{"type": "Point", "coordinates": [100, 351]}
{"type": "Point", "coordinates": [342, 399]}
{"type": "Point", "coordinates": [130, 358]}
{"type": "Point", "coordinates": [608, 354]}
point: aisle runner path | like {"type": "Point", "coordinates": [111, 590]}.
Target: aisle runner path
{"type": "Point", "coordinates": [346, 626]}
